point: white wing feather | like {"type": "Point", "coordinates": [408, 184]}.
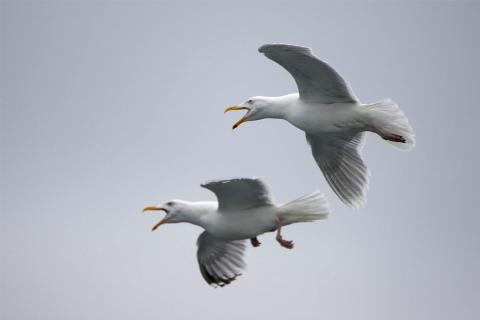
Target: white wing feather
{"type": "Point", "coordinates": [339, 160]}
{"type": "Point", "coordinates": [316, 80]}
{"type": "Point", "coordinates": [239, 194]}
{"type": "Point", "coordinates": [220, 262]}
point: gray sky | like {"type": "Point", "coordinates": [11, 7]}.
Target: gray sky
{"type": "Point", "coordinates": [108, 107]}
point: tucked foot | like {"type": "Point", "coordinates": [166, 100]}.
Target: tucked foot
{"type": "Point", "coordinates": [394, 137]}
{"type": "Point", "coordinates": [284, 243]}
{"type": "Point", "coordinates": [255, 243]}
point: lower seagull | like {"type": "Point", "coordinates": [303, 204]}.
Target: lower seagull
{"type": "Point", "coordinates": [244, 211]}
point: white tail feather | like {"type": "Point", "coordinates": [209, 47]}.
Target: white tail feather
{"type": "Point", "coordinates": [388, 119]}
{"type": "Point", "coordinates": [311, 207]}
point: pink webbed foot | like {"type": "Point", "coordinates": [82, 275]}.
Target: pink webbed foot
{"type": "Point", "coordinates": [284, 243]}
{"type": "Point", "coordinates": [255, 243]}
{"type": "Point", "coordinates": [394, 137]}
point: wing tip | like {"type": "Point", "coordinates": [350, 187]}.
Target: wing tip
{"type": "Point", "coordinates": [356, 203]}
{"type": "Point", "coordinates": [223, 282]}
{"type": "Point", "coordinates": [264, 47]}
{"type": "Point", "coordinates": [359, 199]}
{"type": "Point", "coordinates": [223, 181]}
{"type": "Point", "coordinates": [267, 47]}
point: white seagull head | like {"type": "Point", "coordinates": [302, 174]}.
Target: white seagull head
{"type": "Point", "coordinates": [257, 108]}
{"type": "Point", "coordinates": [175, 211]}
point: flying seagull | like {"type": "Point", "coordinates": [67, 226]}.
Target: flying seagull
{"type": "Point", "coordinates": [244, 211]}
{"type": "Point", "coordinates": [332, 117]}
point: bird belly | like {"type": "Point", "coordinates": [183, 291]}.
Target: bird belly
{"type": "Point", "coordinates": [245, 224]}
{"type": "Point", "coordinates": [326, 118]}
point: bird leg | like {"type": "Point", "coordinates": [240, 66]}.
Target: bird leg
{"type": "Point", "coordinates": [255, 243]}
{"type": "Point", "coordinates": [284, 243]}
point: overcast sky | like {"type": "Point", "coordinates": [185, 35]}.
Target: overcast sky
{"type": "Point", "coordinates": [108, 107]}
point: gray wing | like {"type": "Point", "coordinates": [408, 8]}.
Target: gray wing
{"type": "Point", "coordinates": [339, 159]}
{"type": "Point", "coordinates": [239, 194]}
{"type": "Point", "coordinates": [316, 80]}
{"type": "Point", "coordinates": [220, 262]}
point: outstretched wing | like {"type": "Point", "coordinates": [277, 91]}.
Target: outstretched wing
{"type": "Point", "coordinates": [316, 80]}
{"type": "Point", "coordinates": [339, 159]}
{"type": "Point", "coordinates": [239, 194]}
{"type": "Point", "coordinates": [220, 262]}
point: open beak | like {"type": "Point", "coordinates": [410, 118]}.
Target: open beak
{"type": "Point", "coordinates": [243, 119]}
{"type": "Point", "coordinates": [153, 208]}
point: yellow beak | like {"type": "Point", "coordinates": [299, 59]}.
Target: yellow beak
{"type": "Point", "coordinates": [153, 208]}
{"type": "Point", "coordinates": [243, 119]}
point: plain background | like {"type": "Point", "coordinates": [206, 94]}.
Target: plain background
{"type": "Point", "coordinates": [110, 106]}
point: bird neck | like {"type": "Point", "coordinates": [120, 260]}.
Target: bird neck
{"type": "Point", "coordinates": [279, 107]}
{"type": "Point", "coordinates": [197, 212]}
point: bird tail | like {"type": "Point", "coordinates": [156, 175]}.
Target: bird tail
{"type": "Point", "coordinates": [389, 121]}
{"type": "Point", "coordinates": [311, 207]}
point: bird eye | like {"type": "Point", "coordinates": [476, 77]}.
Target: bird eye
{"type": "Point", "coordinates": [250, 101]}
{"type": "Point", "coordinates": [170, 203]}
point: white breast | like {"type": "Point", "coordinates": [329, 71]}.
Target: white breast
{"type": "Point", "coordinates": [242, 225]}
{"type": "Point", "coordinates": [324, 118]}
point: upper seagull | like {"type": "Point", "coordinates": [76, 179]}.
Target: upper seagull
{"type": "Point", "coordinates": [244, 210]}
{"type": "Point", "coordinates": [332, 117]}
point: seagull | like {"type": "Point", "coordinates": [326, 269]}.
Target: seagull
{"type": "Point", "coordinates": [244, 211]}
{"type": "Point", "coordinates": [332, 117]}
